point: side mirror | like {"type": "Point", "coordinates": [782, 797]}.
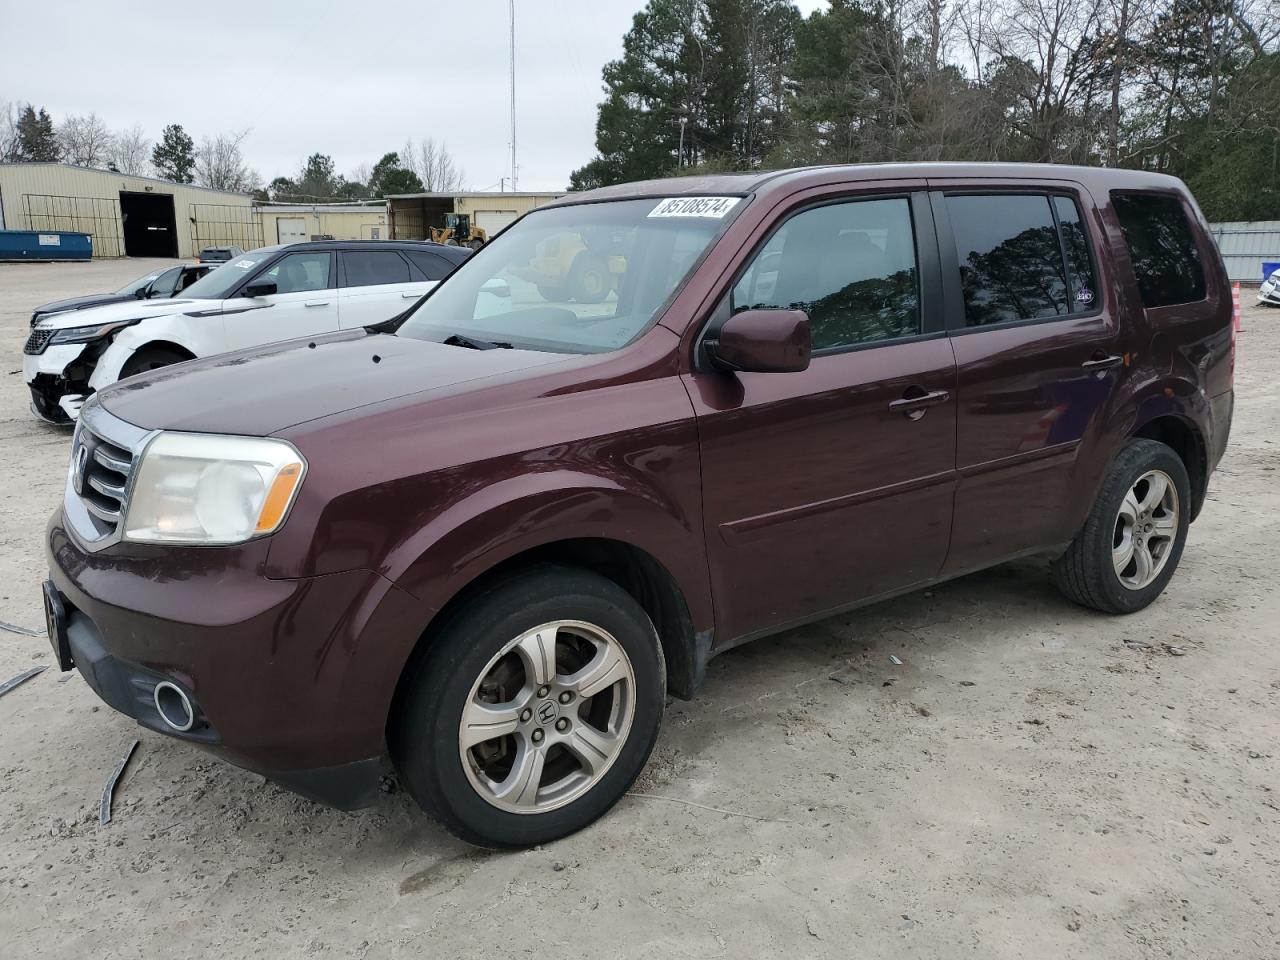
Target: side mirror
{"type": "Point", "coordinates": [763, 341]}
{"type": "Point", "coordinates": [142, 293]}
{"type": "Point", "coordinates": [260, 288]}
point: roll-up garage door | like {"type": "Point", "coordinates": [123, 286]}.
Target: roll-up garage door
{"type": "Point", "coordinates": [491, 221]}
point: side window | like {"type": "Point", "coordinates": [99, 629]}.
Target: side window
{"type": "Point", "coordinates": [300, 272]}
{"type": "Point", "coordinates": [1162, 247]}
{"type": "Point", "coordinates": [163, 285]}
{"type": "Point", "coordinates": [432, 267]}
{"type": "Point", "coordinates": [1082, 285]}
{"type": "Point", "coordinates": [1011, 265]}
{"type": "Point", "coordinates": [850, 266]}
{"type": "Point", "coordinates": [368, 268]}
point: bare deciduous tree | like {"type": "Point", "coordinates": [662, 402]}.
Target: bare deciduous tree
{"type": "Point", "coordinates": [433, 164]}
{"type": "Point", "coordinates": [130, 152]}
{"type": "Point", "coordinates": [220, 164]}
{"type": "Point", "coordinates": [8, 130]}
{"type": "Point", "coordinates": [85, 140]}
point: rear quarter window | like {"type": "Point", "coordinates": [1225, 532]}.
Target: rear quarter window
{"type": "Point", "coordinates": [1162, 247]}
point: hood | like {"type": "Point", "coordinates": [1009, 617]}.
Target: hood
{"type": "Point", "coordinates": [80, 303]}
{"type": "Point", "coordinates": [267, 389]}
{"type": "Point", "coordinates": [129, 310]}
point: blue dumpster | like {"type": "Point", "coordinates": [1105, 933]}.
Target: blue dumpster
{"type": "Point", "coordinates": [38, 245]}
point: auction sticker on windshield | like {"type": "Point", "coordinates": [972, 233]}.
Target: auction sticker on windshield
{"type": "Point", "coordinates": [715, 207]}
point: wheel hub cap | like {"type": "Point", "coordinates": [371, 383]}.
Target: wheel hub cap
{"type": "Point", "coordinates": [547, 717]}
{"type": "Point", "coordinates": [1146, 527]}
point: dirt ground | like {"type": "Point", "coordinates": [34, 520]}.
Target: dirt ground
{"type": "Point", "coordinates": [1025, 784]}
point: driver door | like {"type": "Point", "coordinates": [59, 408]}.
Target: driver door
{"type": "Point", "coordinates": [305, 303]}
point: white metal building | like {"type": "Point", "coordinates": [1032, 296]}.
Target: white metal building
{"type": "Point", "coordinates": [125, 216]}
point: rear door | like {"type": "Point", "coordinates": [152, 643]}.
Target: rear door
{"type": "Point", "coordinates": [376, 285]}
{"type": "Point", "coordinates": [305, 303]}
{"type": "Point", "coordinates": [834, 484]}
{"type": "Point", "coordinates": [1039, 353]}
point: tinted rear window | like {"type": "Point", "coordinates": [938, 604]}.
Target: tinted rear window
{"type": "Point", "coordinates": [434, 267]}
{"type": "Point", "coordinates": [1011, 265]}
{"type": "Point", "coordinates": [1165, 257]}
{"type": "Point", "coordinates": [368, 268]}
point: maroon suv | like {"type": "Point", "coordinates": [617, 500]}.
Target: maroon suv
{"type": "Point", "coordinates": [479, 543]}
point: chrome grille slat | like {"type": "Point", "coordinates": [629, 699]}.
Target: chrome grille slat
{"type": "Point", "coordinates": [113, 490]}
{"type": "Point", "coordinates": [112, 463]}
{"type": "Point", "coordinates": [101, 512]}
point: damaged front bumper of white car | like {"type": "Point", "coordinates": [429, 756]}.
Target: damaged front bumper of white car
{"type": "Point", "coordinates": [57, 364]}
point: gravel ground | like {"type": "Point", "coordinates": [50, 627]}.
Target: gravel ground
{"type": "Point", "coordinates": [1034, 780]}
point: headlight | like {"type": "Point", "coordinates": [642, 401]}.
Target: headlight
{"type": "Point", "coordinates": [87, 334]}
{"type": "Point", "coordinates": [204, 488]}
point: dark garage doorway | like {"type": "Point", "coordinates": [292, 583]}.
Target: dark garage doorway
{"type": "Point", "coordinates": [150, 228]}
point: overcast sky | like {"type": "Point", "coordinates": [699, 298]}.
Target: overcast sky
{"type": "Point", "coordinates": [351, 79]}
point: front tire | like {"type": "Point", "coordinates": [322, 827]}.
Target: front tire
{"type": "Point", "coordinates": [151, 358]}
{"type": "Point", "coordinates": [1130, 546]}
{"type": "Point", "coordinates": [535, 707]}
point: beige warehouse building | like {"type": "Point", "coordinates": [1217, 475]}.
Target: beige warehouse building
{"type": "Point", "coordinates": [125, 216]}
{"type": "Point", "coordinates": [410, 215]}
{"type": "Point", "coordinates": [293, 222]}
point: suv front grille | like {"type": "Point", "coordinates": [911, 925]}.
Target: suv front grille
{"type": "Point", "coordinates": [102, 463]}
{"type": "Point", "coordinates": [100, 475]}
{"type": "Point", "coordinates": [36, 343]}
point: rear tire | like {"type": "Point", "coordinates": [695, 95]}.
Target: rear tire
{"type": "Point", "coordinates": [1132, 541]}
{"type": "Point", "coordinates": [151, 358]}
{"type": "Point", "coordinates": [476, 244]}
{"type": "Point", "coordinates": [509, 745]}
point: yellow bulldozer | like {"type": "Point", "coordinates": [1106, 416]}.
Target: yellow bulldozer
{"type": "Point", "coordinates": [458, 232]}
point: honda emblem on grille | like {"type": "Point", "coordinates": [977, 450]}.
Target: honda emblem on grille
{"type": "Point", "coordinates": [79, 460]}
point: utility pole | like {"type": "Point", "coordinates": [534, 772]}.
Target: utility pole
{"type": "Point", "coordinates": [512, 9]}
{"type": "Point", "coordinates": [680, 152]}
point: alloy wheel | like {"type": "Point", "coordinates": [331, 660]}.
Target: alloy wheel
{"type": "Point", "coordinates": [547, 717]}
{"type": "Point", "coordinates": [1146, 528]}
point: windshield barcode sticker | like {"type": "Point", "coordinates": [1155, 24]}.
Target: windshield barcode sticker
{"type": "Point", "coordinates": [243, 264]}
{"type": "Point", "coordinates": [715, 207]}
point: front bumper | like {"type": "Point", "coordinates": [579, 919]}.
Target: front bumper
{"type": "Point", "coordinates": [58, 386]}
{"type": "Point", "coordinates": [292, 679]}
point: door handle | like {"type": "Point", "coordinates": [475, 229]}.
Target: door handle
{"type": "Point", "coordinates": [316, 303]}
{"type": "Point", "coordinates": [915, 402]}
{"type": "Point", "coordinates": [1101, 363]}
{"type": "Point", "coordinates": [410, 296]}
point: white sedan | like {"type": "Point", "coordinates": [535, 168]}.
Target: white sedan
{"type": "Point", "coordinates": [260, 297]}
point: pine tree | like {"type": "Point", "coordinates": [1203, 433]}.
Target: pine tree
{"type": "Point", "coordinates": [174, 157]}
{"type": "Point", "coordinates": [36, 139]}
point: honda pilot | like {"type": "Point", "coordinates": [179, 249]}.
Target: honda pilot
{"type": "Point", "coordinates": [475, 546]}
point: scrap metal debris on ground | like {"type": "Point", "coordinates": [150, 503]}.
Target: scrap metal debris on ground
{"type": "Point", "coordinates": [14, 628]}
{"type": "Point", "coordinates": [108, 792]}
{"type": "Point", "coordinates": [20, 679]}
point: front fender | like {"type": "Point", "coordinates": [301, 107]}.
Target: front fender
{"type": "Point", "coordinates": [522, 513]}
{"type": "Point", "coordinates": [176, 329]}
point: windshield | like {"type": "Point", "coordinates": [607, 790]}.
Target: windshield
{"type": "Point", "coordinates": [219, 282]}
{"type": "Point", "coordinates": [133, 286]}
{"type": "Point", "coordinates": [580, 279]}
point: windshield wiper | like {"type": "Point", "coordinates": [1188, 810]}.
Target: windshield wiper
{"type": "Point", "coordinates": [458, 340]}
